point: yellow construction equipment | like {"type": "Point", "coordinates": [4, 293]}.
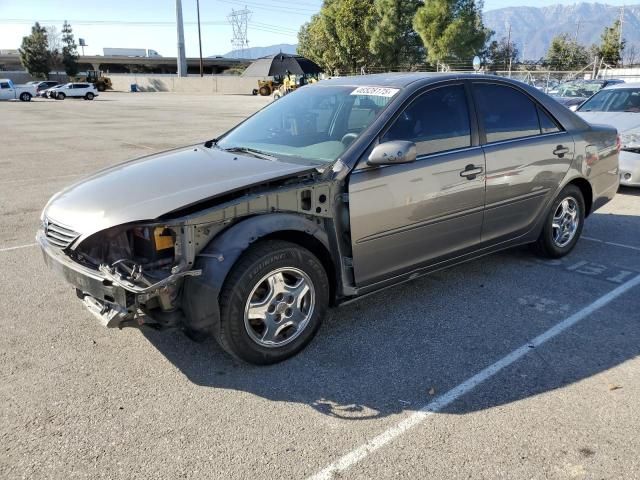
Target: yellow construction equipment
{"type": "Point", "coordinates": [101, 82]}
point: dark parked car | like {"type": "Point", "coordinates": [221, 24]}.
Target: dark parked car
{"type": "Point", "coordinates": [335, 191]}
{"type": "Point", "coordinates": [42, 86]}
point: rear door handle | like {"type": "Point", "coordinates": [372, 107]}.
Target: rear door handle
{"type": "Point", "coordinates": [471, 171]}
{"type": "Point", "coordinates": [561, 151]}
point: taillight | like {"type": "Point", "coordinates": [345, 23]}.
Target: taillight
{"type": "Point", "coordinates": [618, 144]}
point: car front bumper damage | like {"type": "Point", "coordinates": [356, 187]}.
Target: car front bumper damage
{"type": "Point", "coordinates": [106, 294]}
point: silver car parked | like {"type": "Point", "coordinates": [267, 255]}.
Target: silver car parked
{"type": "Point", "coordinates": [335, 191]}
{"type": "Point", "coordinates": [619, 106]}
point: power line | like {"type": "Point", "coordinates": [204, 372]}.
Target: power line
{"type": "Point", "coordinates": [110, 22]}
{"type": "Point", "coordinates": [279, 9]}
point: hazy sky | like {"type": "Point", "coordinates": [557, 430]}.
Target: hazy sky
{"type": "Point", "coordinates": [148, 23]}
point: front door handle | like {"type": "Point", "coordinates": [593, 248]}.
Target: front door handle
{"type": "Point", "coordinates": [471, 172]}
{"type": "Point", "coordinates": [561, 151]}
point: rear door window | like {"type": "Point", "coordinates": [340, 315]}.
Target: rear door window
{"type": "Point", "coordinates": [505, 112]}
{"type": "Point", "coordinates": [547, 124]}
{"type": "Point", "coordinates": [437, 121]}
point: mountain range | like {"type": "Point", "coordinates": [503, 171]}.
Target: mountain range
{"type": "Point", "coordinates": [532, 28]}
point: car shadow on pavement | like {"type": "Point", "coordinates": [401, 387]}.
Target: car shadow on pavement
{"type": "Point", "coordinates": [397, 350]}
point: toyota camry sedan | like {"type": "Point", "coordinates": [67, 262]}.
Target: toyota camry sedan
{"type": "Point", "coordinates": [338, 190]}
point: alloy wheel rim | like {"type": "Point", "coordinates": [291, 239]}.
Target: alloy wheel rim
{"type": "Point", "coordinates": [565, 222]}
{"type": "Point", "coordinates": [279, 307]}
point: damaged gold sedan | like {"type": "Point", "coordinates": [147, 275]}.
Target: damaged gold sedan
{"type": "Point", "coordinates": [335, 191]}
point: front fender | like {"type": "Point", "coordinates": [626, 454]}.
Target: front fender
{"type": "Point", "coordinates": [200, 294]}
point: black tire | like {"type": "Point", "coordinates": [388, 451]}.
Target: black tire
{"type": "Point", "coordinates": [60, 96]}
{"type": "Point", "coordinates": [89, 96]}
{"type": "Point", "coordinates": [264, 91]}
{"type": "Point", "coordinates": [254, 91]}
{"type": "Point", "coordinates": [101, 87]}
{"type": "Point", "coordinates": [25, 96]}
{"type": "Point", "coordinates": [259, 261]}
{"type": "Point", "coordinates": [545, 246]}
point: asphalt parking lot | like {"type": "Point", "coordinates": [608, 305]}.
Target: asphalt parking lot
{"type": "Point", "coordinates": [506, 367]}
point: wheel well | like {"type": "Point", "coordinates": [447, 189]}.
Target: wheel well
{"type": "Point", "coordinates": [314, 246]}
{"type": "Point", "coordinates": [587, 193]}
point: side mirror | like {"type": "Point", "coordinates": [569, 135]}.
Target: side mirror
{"type": "Point", "coordinates": [392, 153]}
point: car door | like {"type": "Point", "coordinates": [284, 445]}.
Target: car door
{"type": "Point", "coordinates": [409, 215]}
{"type": "Point", "coordinates": [527, 154]}
{"type": "Point", "coordinates": [5, 91]}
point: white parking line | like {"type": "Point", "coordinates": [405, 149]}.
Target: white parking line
{"type": "Point", "coordinates": [137, 145]}
{"type": "Point", "coordinates": [55, 177]}
{"type": "Point", "coordinates": [379, 441]}
{"type": "Point", "coordinates": [614, 244]}
{"type": "Point", "coordinates": [17, 247]}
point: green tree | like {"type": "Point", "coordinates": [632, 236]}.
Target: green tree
{"type": "Point", "coordinates": [451, 30]}
{"type": "Point", "coordinates": [500, 53]}
{"type": "Point", "coordinates": [611, 47]}
{"type": "Point", "coordinates": [351, 18]}
{"type": "Point", "coordinates": [34, 52]}
{"type": "Point", "coordinates": [564, 53]}
{"type": "Point", "coordinates": [337, 38]}
{"type": "Point", "coordinates": [69, 50]}
{"type": "Point", "coordinates": [393, 41]}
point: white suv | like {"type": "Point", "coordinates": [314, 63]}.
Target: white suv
{"type": "Point", "coordinates": [80, 90]}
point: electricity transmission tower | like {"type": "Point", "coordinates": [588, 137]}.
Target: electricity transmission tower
{"type": "Point", "coordinates": [239, 19]}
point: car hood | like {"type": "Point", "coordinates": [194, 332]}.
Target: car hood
{"type": "Point", "coordinates": [623, 121]}
{"type": "Point", "coordinates": [150, 187]}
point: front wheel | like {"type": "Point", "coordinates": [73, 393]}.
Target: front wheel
{"type": "Point", "coordinates": [25, 96]}
{"type": "Point", "coordinates": [60, 96]}
{"type": "Point", "coordinates": [563, 225]}
{"type": "Point", "coordinates": [272, 303]}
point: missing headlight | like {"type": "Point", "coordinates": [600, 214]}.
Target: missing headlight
{"type": "Point", "coordinates": [153, 245]}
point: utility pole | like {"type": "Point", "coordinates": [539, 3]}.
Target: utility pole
{"type": "Point", "coordinates": [509, 50]}
{"type": "Point", "coordinates": [182, 59]}
{"type": "Point", "coordinates": [200, 39]}
{"type": "Point", "coordinates": [577, 29]}
{"type": "Point", "coordinates": [621, 22]}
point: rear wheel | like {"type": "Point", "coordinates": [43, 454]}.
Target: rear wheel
{"type": "Point", "coordinates": [272, 303]}
{"type": "Point", "coordinates": [89, 96]}
{"type": "Point", "coordinates": [563, 225]}
{"type": "Point", "coordinates": [25, 96]}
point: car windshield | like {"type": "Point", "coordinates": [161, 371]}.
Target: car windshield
{"type": "Point", "coordinates": [312, 125]}
{"type": "Point", "coordinates": [614, 100]}
{"type": "Point", "coordinates": [578, 89]}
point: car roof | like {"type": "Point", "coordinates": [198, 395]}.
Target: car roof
{"type": "Point", "coordinates": [623, 85]}
{"type": "Point", "coordinates": [401, 80]}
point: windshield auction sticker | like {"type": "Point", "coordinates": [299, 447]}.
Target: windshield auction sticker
{"type": "Point", "coordinates": [376, 91]}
